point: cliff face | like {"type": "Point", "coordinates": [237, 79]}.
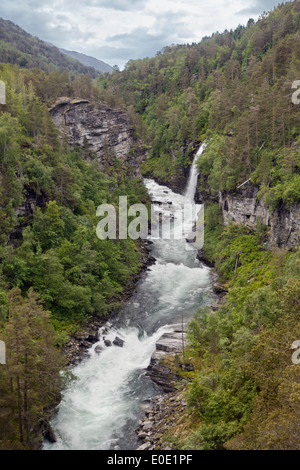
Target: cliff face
{"type": "Point", "coordinates": [244, 207]}
{"type": "Point", "coordinates": [101, 131]}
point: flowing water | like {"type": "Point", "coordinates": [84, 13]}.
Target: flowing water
{"type": "Point", "coordinates": [192, 182]}
{"type": "Point", "coordinates": [102, 405]}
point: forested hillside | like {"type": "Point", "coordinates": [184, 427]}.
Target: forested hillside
{"type": "Point", "coordinates": [233, 90]}
{"type": "Point", "coordinates": [234, 87]}
{"type": "Point", "coordinates": [21, 48]}
{"type": "Point", "coordinates": [88, 61]}
{"type": "Point", "coordinates": [49, 251]}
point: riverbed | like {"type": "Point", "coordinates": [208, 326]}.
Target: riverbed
{"type": "Point", "coordinates": [101, 406]}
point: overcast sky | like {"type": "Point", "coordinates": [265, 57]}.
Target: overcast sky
{"type": "Point", "coordinates": [119, 30]}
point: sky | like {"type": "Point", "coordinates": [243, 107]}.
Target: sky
{"type": "Point", "coordinates": [117, 31]}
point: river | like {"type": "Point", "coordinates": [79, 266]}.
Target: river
{"type": "Point", "coordinates": [101, 406]}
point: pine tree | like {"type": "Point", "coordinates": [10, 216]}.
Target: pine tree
{"type": "Point", "coordinates": [31, 381]}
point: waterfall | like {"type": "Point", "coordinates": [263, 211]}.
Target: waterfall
{"type": "Point", "coordinates": [193, 178]}
{"type": "Point", "coordinates": [102, 404]}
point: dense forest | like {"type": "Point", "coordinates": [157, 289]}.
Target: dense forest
{"type": "Point", "coordinates": [233, 90]}
{"type": "Point", "coordinates": [53, 266]}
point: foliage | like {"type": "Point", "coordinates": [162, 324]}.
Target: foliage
{"type": "Point", "coordinates": [234, 87]}
{"type": "Point", "coordinates": [245, 390]}
{"type": "Point", "coordinates": [48, 199]}
{"type": "Point", "coordinates": [31, 380]}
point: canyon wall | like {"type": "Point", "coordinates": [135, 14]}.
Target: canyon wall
{"type": "Point", "coordinates": [103, 133]}
{"type": "Point", "coordinates": [244, 207]}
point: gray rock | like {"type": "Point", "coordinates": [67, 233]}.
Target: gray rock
{"type": "Point", "coordinates": [147, 426]}
{"type": "Point", "coordinates": [101, 132]}
{"type": "Point", "coordinates": [243, 206]}
{"type": "Point", "coordinates": [170, 342]}
{"type": "Point", "coordinates": [145, 446]}
{"type": "Point", "coordinates": [143, 435]}
{"type": "Point", "coordinates": [85, 345]}
{"type": "Point", "coordinates": [188, 367]}
{"type": "Point", "coordinates": [98, 349]}
{"type": "Point", "coordinates": [118, 342]}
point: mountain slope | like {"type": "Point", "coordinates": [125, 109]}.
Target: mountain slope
{"type": "Point", "coordinates": [89, 61]}
{"type": "Point", "coordinates": [27, 51]}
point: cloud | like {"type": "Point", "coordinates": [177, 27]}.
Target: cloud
{"type": "Point", "coordinates": [117, 5]}
{"type": "Point", "coordinates": [119, 30]}
{"type": "Point", "coordinates": [40, 20]}
{"type": "Point", "coordinates": [140, 43]}
{"type": "Point", "coordinates": [167, 28]}
{"type": "Point", "coordinates": [257, 7]}
{"type": "Point", "coordinates": [121, 5]}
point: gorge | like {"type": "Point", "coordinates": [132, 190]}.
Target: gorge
{"type": "Point", "coordinates": [108, 135]}
{"type": "Point", "coordinates": [95, 329]}
{"type": "Point", "coordinates": [101, 407]}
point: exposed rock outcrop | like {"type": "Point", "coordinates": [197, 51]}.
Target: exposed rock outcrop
{"type": "Point", "coordinates": [79, 343]}
{"type": "Point", "coordinates": [244, 207]}
{"type": "Point", "coordinates": [164, 411]}
{"type": "Point", "coordinates": [170, 344]}
{"type": "Point", "coordinates": [162, 417]}
{"type": "Point", "coordinates": [102, 132]}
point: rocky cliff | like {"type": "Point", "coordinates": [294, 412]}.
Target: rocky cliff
{"type": "Point", "coordinates": [244, 207]}
{"type": "Point", "coordinates": [169, 345]}
{"type": "Point", "coordinates": [103, 133]}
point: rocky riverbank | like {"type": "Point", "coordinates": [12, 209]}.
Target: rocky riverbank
{"type": "Point", "coordinates": [164, 421]}
{"type": "Point", "coordinates": [163, 411]}
{"type": "Point", "coordinates": [80, 342]}
{"type": "Point", "coordinates": [161, 368]}
{"type": "Point", "coordinates": [165, 415]}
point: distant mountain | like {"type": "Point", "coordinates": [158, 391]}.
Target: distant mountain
{"type": "Point", "coordinates": [27, 51]}
{"type": "Point", "coordinates": [88, 61]}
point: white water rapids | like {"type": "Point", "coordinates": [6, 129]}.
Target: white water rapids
{"type": "Point", "coordinates": [102, 405]}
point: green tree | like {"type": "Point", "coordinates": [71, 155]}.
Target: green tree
{"type": "Point", "coordinates": [32, 376]}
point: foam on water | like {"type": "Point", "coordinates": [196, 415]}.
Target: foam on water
{"type": "Point", "coordinates": [100, 407]}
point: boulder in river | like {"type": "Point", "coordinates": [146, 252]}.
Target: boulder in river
{"type": "Point", "coordinates": [98, 349]}
{"type": "Point", "coordinates": [118, 342]}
